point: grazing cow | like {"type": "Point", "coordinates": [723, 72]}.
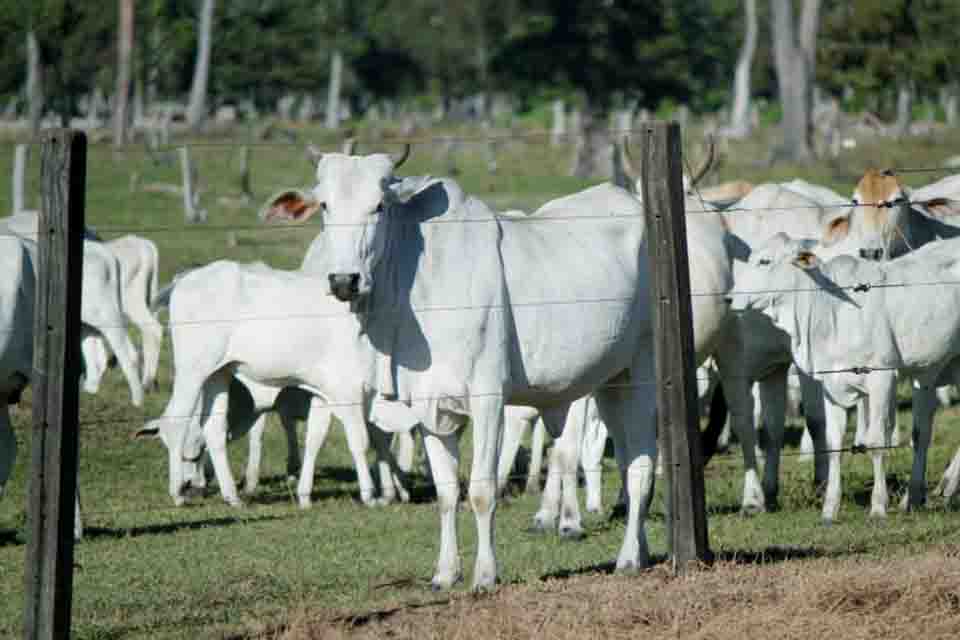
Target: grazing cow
{"type": "Point", "coordinates": [468, 311]}
{"type": "Point", "coordinates": [850, 313]}
{"type": "Point", "coordinates": [272, 327]}
{"type": "Point", "coordinates": [101, 307]}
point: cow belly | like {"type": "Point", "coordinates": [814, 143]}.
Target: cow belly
{"type": "Point", "coordinates": [569, 349]}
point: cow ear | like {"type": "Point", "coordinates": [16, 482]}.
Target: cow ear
{"type": "Point", "coordinates": [806, 260]}
{"type": "Point", "coordinates": [292, 205]}
{"type": "Point", "coordinates": [940, 207]}
{"type": "Point", "coordinates": [837, 230]}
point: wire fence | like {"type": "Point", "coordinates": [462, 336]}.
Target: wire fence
{"type": "Point", "coordinates": [857, 287]}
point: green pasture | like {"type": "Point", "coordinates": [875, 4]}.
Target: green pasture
{"type": "Point", "coordinates": [148, 570]}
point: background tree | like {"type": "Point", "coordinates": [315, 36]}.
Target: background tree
{"type": "Point", "coordinates": [794, 55]}
{"type": "Point", "coordinates": [124, 63]}
{"type": "Point", "coordinates": [197, 107]}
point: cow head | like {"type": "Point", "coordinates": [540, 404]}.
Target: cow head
{"type": "Point", "coordinates": [884, 206]}
{"type": "Point", "coordinates": [770, 273]}
{"type": "Point", "coordinates": [352, 195]}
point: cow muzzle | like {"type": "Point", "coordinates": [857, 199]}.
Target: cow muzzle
{"type": "Point", "coordinates": [345, 286]}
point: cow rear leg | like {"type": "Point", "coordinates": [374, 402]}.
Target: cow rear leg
{"type": "Point", "coordinates": [773, 400]}
{"type": "Point", "coordinates": [251, 477]}
{"type": "Point", "coordinates": [537, 446]}
{"type": "Point", "coordinates": [924, 405]}
{"type": "Point", "coordinates": [119, 341]}
{"type": "Point", "coordinates": [487, 415]}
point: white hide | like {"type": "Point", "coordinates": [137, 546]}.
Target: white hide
{"type": "Point", "coordinates": [887, 328]}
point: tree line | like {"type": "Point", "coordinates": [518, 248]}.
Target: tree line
{"type": "Point", "coordinates": [882, 55]}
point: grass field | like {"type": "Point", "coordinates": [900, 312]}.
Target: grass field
{"type": "Point", "coordinates": [148, 570]}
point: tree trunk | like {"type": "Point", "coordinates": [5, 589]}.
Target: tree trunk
{"type": "Point", "coordinates": [740, 117]}
{"type": "Point", "coordinates": [794, 82]}
{"type": "Point", "coordinates": [559, 129]}
{"type": "Point", "coordinates": [950, 105]}
{"type": "Point", "coordinates": [904, 109]}
{"type": "Point", "coordinates": [122, 92]}
{"type": "Point", "coordinates": [590, 158]}
{"type": "Point", "coordinates": [197, 109]}
{"type": "Point", "coordinates": [34, 83]}
{"type": "Point", "coordinates": [333, 91]}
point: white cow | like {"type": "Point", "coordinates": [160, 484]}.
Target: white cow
{"type": "Point", "coordinates": [17, 295]}
{"type": "Point", "coordinates": [101, 307]}
{"type": "Point", "coordinates": [272, 327]}
{"type": "Point", "coordinates": [468, 312]}
{"type": "Point", "coordinates": [849, 313]}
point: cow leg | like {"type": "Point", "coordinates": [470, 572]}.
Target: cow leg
{"type": "Point", "coordinates": [444, 455]}
{"type": "Point", "coordinates": [215, 433]}
{"type": "Point", "coordinates": [8, 444]}
{"type": "Point", "coordinates": [294, 458]}
{"type": "Point", "coordinates": [737, 390]}
{"type": "Point", "coordinates": [151, 335]}
{"type": "Point", "coordinates": [537, 446]}
{"type": "Point", "coordinates": [514, 429]}
{"type": "Point", "coordinates": [95, 358]}
{"type": "Point", "coordinates": [773, 399]}
{"type": "Point", "coordinates": [629, 414]}
{"type": "Point", "coordinates": [487, 414]}
{"type": "Point", "coordinates": [951, 478]}
{"type": "Point", "coordinates": [836, 426]}
{"type": "Point", "coordinates": [119, 341]}
{"type": "Point", "coordinates": [924, 405]}
{"type": "Point", "coordinates": [405, 448]}
{"type": "Point", "coordinates": [594, 444]}
{"type": "Point", "coordinates": [391, 482]}
{"type": "Point", "coordinates": [251, 477]}
{"type": "Point", "coordinates": [560, 495]}
{"type": "Point", "coordinates": [882, 390]}
{"type": "Point", "coordinates": [814, 411]}
{"type": "Point", "coordinates": [318, 426]}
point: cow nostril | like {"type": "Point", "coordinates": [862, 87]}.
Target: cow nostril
{"type": "Point", "coordinates": [728, 300]}
{"type": "Point", "coordinates": [354, 282]}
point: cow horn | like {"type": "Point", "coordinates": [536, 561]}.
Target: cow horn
{"type": "Point", "coordinates": [314, 154]}
{"type": "Point", "coordinates": [398, 162]}
{"type": "Point", "coordinates": [628, 169]}
{"type": "Point", "coordinates": [707, 164]}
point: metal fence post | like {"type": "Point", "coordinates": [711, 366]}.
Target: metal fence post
{"type": "Point", "coordinates": [678, 424]}
{"type": "Point", "coordinates": [56, 388]}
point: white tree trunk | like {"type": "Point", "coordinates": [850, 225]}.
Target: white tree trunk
{"type": "Point", "coordinates": [333, 92]}
{"type": "Point", "coordinates": [950, 105]}
{"type": "Point", "coordinates": [122, 91]}
{"type": "Point", "coordinates": [559, 128]}
{"type": "Point", "coordinates": [197, 109]}
{"type": "Point", "coordinates": [793, 80]}
{"type": "Point", "coordinates": [34, 83]}
{"type": "Point", "coordinates": [740, 116]}
{"type": "Point", "coordinates": [904, 109]}
{"type": "Point", "coordinates": [20, 154]}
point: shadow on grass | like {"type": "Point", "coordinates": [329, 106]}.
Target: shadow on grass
{"type": "Point", "coordinates": [10, 538]}
{"type": "Point", "coordinates": [93, 533]}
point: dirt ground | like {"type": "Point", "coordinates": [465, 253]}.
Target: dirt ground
{"type": "Point", "coordinates": [736, 598]}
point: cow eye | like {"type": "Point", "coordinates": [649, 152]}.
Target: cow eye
{"type": "Point", "coordinates": [856, 201]}
{"type": "Point", "coordinates": [763, 262]}
{"type": "Point", "coordinates": [379, 208]}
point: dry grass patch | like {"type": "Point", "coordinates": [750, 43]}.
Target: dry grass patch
{"type": "Point", "coordinates": [849, 598]}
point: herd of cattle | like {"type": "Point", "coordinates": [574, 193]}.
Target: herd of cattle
{"type": "Point", "coordinates": [418, 308]}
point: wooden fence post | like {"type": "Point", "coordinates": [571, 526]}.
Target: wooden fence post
{"type": "Point", "coordinates": [678, 424]}
{"type": "Point", "coordinates": [191, 198]}
{"type": "Point", "coordinates": [56, 386]}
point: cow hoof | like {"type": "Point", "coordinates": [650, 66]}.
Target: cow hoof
{"type": "Point", "coordinates": [878, 515]}
{"type": "Point", "coordinates": [539, 528]}
{"type": "Point", "coordinates": [750, 510]}
{"type": "Point", "coordinates": [291, 479]}
{"type": "Point", "coordinates": [572, 533]}
{"type": "Point", "coordinates": [438, 584]}
{"type": "Point", "coordinates": [236, 503]}
{"type": "Point", "coordinates": [304, 502]}
{"type": "Point", "coordinates": [630, 568]}
{"type": "Point", "coordinates": [179, 501]}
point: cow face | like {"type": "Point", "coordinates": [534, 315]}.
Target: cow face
{"type": "Point", "coordinates": [884, 207]}
{"type": "Point", "coordinates": [350, 195]}
{"type": "Point", "coordinates": [770, 273]}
